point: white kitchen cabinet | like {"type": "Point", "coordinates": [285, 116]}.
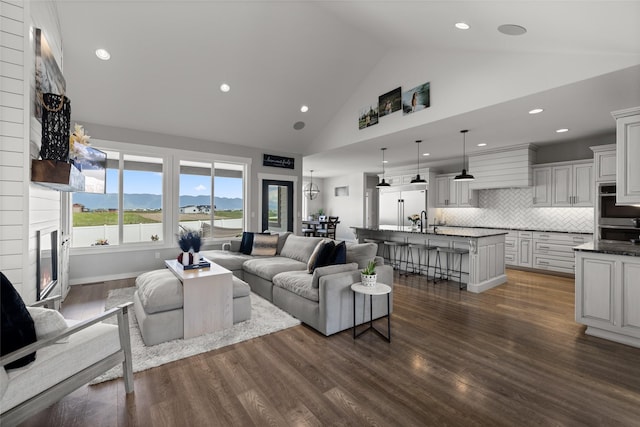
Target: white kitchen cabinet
{"type": "Point", "coordinates": [604, 163]}
{"type": "Point", "coordinates": [628, 155]}
{"type": "Point", "coordinates": [525, 249]}
{"type": "Point", "coordinates": [554, 251]}
{"type": "Point", "coordinates": [453, 194]}
{"type": "Point", "coordinates": [542, 186]}
{"type": "Point", "coordinates": [607, 296]}
{"type": "Point", "coordinates": [564, 184]}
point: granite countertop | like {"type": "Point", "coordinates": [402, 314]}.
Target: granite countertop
{"type": "Point", "coordinates": [444, 231]}
{"type": "Point", "coordinates": [542, 230]}
{"type": "Point", "coordinates": [617, 248]}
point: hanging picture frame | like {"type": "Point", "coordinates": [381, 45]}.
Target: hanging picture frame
{"type": "Point", "coordinates": [416, 99]}
{"type": "Point", "coordinates": [49, 78]}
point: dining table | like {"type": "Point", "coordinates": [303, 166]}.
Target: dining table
{"type": "Point", "coordinates": [315, 225]}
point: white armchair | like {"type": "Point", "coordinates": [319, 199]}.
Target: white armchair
{"type": "Point", "coordinates": [65, 360]}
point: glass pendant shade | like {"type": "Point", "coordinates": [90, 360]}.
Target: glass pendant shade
{"type": "Point", "coordinates": [382, 183]}
{"type": "Point", "coordinates": [464, 176]}
{"type": "Point", "coordinates": [417, 179]}
{"type": "Point", "coordinates": [311, 190]}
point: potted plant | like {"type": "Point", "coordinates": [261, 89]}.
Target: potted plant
{"type": "Point", "coordinates": [184, 241]}
{"type": "Point", "coordinates": [368, 275]}
{"type": "Point", "coordinates": [196, 242]}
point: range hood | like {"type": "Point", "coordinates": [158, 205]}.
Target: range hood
{"type": "Point", "coordinates": [57, 175]}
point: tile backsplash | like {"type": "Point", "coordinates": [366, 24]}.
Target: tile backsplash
{"type": "Point", "coordinates": [513, 208]}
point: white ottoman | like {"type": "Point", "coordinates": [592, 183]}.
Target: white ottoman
{"type": "Point", "coordinates": [158, 305]}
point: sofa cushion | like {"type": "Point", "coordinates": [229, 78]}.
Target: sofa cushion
{"type": "Point", "coordinates": [299, 248]}
{"type": "Point", "coordinates": [264, 244]}
{"type": "Point", "coordinates": [266, 268]}
{"type": "Point", "coordinates": [159, 290]}
{"type": "Point", "coordinates": [298, 282]}
{"type": "Point", "coordinates": [311, 264]}
{"type": "Point", "coordinates": [330, 269]}
{"type": "Point", "coordinates": [282, 237]}
{"type": "Point", "coordinates": [240, 288]}
{"type": "Point", "coordinates": [18, 329]}
{"type": "Point", "coordinates": [4, 381]}
{"type": "Point", "coordinates": [232, 261]}
{"type": "Point", "coordinates": [361, 253]}
{"type": "Point", "coordinates": [48, 322]}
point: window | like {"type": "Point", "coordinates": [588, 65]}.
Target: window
{"type": "Point", "coordinates": [129, 216]}
{"type": "Point", "coordinates": [198, 182]}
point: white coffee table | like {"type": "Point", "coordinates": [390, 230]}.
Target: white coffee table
{"type": "Point", "coordinates": [378, 289]}
{"type": "Point", "coordinates": [208, 298]}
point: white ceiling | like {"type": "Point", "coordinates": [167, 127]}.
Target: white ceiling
{"type": "Point", "coordinates": [169, 58]}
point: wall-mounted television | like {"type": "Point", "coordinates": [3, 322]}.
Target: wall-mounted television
{"type": "Point", "coordinates": [46, 262]}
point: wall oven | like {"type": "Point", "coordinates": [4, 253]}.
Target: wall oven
{"type": "Point", "coordinates": [616, 222]}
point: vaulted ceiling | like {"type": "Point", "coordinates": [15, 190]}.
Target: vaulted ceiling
{"type": "Point", "coordinates": [577, 60]}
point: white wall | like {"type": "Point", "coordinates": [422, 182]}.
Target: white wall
{"type": "Point", "coordinates": [454, 90]}
{"type": "Point", "coordinates": [349, 208]}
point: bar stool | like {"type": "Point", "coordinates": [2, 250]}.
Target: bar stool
{"type": "Point", "coordinates": [422, 248]}
{"type": "Point", "coordinates": [450, 271]}
{"type": "Point", "coordinates": [398, 249]}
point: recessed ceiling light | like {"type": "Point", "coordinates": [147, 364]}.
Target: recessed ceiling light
{"type": "Point", "coordinates": [536, 111]}
{"type": "Point", "coordinates": [562, 130]}
{"type": "Point", "coordinates": [462, 26]}
{"type": "Point", "coordinates": [225, 87]}
{"type": "Point", "coordinates": [385, 161]}
{"type": "Point", "coordinates": [426, 154]}
{"type": "Point", "coordinates": [103, 54]}
{"type": "Point", "coordinates": [512, 29]}
{"type": "Point", "coordinates": [482, 144]}
{"type": "Point", "coordinates": [304, 108]}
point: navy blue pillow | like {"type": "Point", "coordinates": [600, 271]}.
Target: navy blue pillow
{"type": "Point", "coordinates": [324, 257]}
{"type": "Point", "coordinates": [246, 244]}
{"type": "Point", "coordinates": [339, 254]}
{"type": "Point", "coordinates": [18, 329]}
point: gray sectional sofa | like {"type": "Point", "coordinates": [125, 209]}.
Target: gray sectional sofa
{"type": "Point", "coordinates": [322, 299]}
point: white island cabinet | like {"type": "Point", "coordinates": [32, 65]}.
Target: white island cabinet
{"type": "Point", "coordinates": [608, 291]}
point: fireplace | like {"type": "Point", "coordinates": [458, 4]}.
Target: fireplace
{"type": "Point", "coordinates": [46, 263]}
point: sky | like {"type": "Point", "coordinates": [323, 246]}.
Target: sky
{"type": "Point", "coordinates": [143, 182]}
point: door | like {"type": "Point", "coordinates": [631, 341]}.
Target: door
{"type": "Point", "coordinates": [277, 205]}
{"type": "Point", "coordinates": [388, 208]}
{"type": "Point", "coordinates": [562, 185]}
{"type": "Point", "coordinates": [542, 186]}
{"type": "Point", "coordinates": [583, 185]}
{"type": "Point", "coordinates": [442, 191]}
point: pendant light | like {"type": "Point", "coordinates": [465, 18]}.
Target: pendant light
{"type": "Point", "coordinates": [464, 176]}
{"type": "Point", "coordinates": [383, 183]}
{"type": "Point", "coordinates": [311, 190]}
{"type": "Point", "coordinates": [417, 179]}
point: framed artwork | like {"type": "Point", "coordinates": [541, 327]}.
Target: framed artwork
{"type": "Point", "coordinates": [278, 161]}
{"type": "Point", "coordinates": [390, 102]}
{"type": "Point", "coordinates": [92, 163]}
{"type": "Point", "coordinates": [368, 116]}
{"type": "Point", "coordinates": [416, 99]}
{"type": "Point", "coordinates": [49, 78]}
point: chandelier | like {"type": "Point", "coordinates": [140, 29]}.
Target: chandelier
{"type": "Point", "coordinates": [311, 190]}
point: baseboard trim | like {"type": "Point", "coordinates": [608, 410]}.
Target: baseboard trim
{"type": "Point", "coordinates": [106, 278]}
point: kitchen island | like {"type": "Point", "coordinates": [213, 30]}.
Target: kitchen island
{"type": "Point", "coordinates": [483, 267]}
{"type": "Point", "coordinates": [608, 290]}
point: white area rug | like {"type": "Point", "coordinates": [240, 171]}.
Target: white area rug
{"type": "Point", "coordinates": [266, 318]}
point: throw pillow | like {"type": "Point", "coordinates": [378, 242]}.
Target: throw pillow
{"type": "Point", "coordinates": [314, 255]}
{"type": "Point", "coordinates": [48, 322]}
{"type": "Point", "coordinates": [339, 255]}
{"type": "Point", "coordinates": [324, 257]}
{"type": "Point", "coordinates": [246, 244]}
{"type": "Point", "coordinates": [18, 329]}
{"type": "Point", "coordinates": [265, 244]}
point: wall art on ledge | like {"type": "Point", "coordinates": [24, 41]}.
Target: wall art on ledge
{"type": "Point", "coordinates": [368, 116]}
{"type": "Point", "coordinates": [416, 99]}
{"type": "Point", "coordinates": [49, 78]}
{"type": "Point", "coordinates": [93, 165]}
{"type": "Point", "coordinates": [277, 161]}
{"type": "Point", "coordinates": [390, 102]}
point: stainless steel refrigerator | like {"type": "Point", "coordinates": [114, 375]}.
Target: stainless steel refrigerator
{"type": "Point", "coordinates": [398, 203]}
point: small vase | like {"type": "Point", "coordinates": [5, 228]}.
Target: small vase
{"type": "Point", "coordinates": [368, 279]}
{"type": "Point", "coordinates": [185, 258]}
{"type": "Point", "coordinates": [415, 227]}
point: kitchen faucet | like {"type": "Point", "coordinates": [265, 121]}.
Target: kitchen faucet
{"type": "Point", "coordinates": [425, 219]}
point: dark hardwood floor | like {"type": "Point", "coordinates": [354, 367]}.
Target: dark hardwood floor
{"type": "Point", "coordinates": [511, 356]}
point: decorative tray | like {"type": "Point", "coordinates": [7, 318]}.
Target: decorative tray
{"type": "Point", "coordinates": [202, 264]}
